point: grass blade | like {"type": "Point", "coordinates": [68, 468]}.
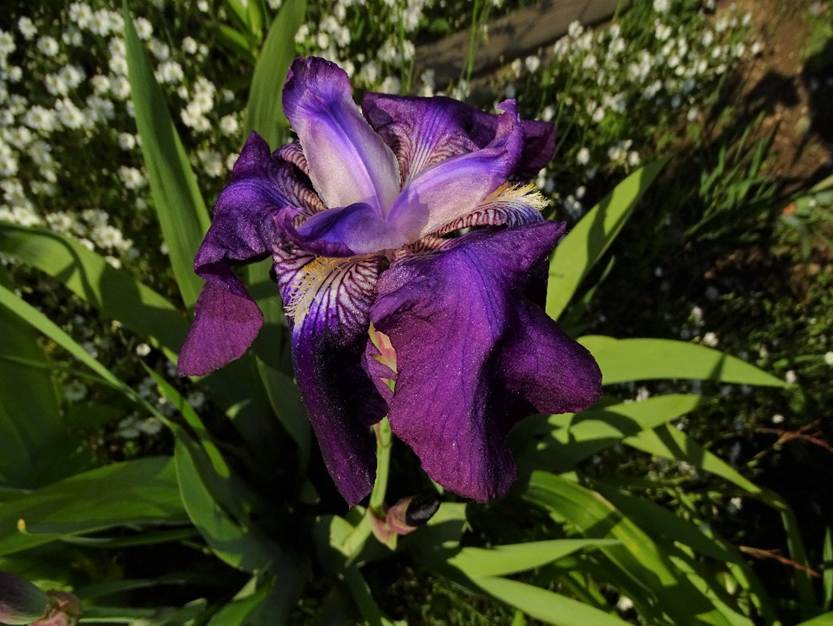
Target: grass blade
{"type": "Point", "coordinates": [113, 291]}
{"type": "Point", "coordinates": [179, 205]}
{"type": "Point", "coordinates": [587, 242]}
{"type": "Point", "coordinates": [625, 360]}
{"type": "Point", "coordinates": [264, 112]}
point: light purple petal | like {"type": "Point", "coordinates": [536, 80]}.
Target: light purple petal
{"type": "Point", "coordinates": [243, 230]}
{"type": "Point", "coordinates": [353, 230]}
{"type": "Point", "coordinates": [348, 162]}
{"type": "Point", "coordinates": [425, 131]}
{"type": "Point", "coordinates": [448, 316]}
{"type": "Point", "coordinates": [455, 187]}
{"type": "Point", "coordinates": [327, 302]}
{"type": "Point", "coordinates": [507, 207]}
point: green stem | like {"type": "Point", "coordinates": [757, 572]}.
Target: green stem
{"type": "Point", "coordinates": [384, 441]}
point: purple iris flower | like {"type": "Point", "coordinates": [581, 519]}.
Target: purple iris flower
{"type": "Point", "coordinates": [363, 216]}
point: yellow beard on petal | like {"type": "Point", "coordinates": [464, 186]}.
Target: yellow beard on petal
{"type": "Point", "coordinates": [311, 279]}
{"type": "Point", "coordinates": [524, 193]}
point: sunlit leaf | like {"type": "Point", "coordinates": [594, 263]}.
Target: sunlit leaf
{"type": "Point", "coordinates": [547, 606]}
{"type": "Point", "coordinates": [113, 291]}
{"type": "Point", "coordinates": [625, 360]}
{"type": "Point", "coordinates": [587, 242]}
{"type": "Point", "coordinates": [510, 559]}
{"type": "Point", "coordinates": [264, 111]}
{"type": "Point", "coordinates": [179, 205]}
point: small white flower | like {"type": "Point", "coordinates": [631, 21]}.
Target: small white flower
{"type": "Point", "coordinates": [696, 314]}
{"type": "Point", "coordinates": [143, 28]}
{"type": "Point", "coordinates": [757, 48]}
{"type": "Point", "coordinates": [662, 31]}
{"type": "Point", "coordinates": [532, 63]}
{"type": "Point", "coordinates": [27, 28]}
{"type": "Point", "coordinates": [229, 125]}
{"type": "Point", "coordinates": [828, 358]}
{"type": "Point", "coordinates": [735, 504]}
{"type": "Point", "coordinates": [142, 349]}
{"type": "Point", "coordinates": [391, 84]}
{"type": "Point", "coordinates": [75, 391]}
{"type": "Point", "coordinates": [196, 399]}
{"type": "Point", "coordinates": [127, 141]}
{"type": "Point", "coordinates": [624, 604]}
{"type": "Point", "coordinates": [132, 177]}
{"type": "Point", "coordinates": [48, 46]}
{"type": "Point", "coordinates": [777, 419]}
{"type": "Point", "coordinates": [661, 6]}
{"type": "Point", "coordinates": [189, 45]}
{"type": "Point", "coordinates": [170, 72]}
{"type": "Point", "coordinates": [583, 156]}
{"type": "Point", "coordinates": [710, 339]}
{"type": "Point", "coordinates": [589, 62]}
{"type": "Point", "coordinates": [575, 29]}
{"type": "Point", "coordinates": [151, 426]}
{"type": "Point", "coordinates": [791, 377]}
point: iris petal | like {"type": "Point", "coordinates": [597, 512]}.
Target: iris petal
{"type": "Point", "coordinates": [327, 302]}
{"type": "Point", "coordinates": [348, 162]}
{"type": "Point", "coordinates": [425, 131]}
{"type": "Point", "coordinates": [449, 316]}
{"type": "Point", "coordinates": [455, 187]}
{"type": "Point", "coordinates": [353, 230]}
{"type": "Point", "coordinates": [243, 230]}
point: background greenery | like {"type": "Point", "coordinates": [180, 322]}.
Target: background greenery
{"type": "Point", "coordinates": [694, 146]}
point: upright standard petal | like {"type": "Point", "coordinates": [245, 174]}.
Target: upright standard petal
{"type": "Point", "coordinates": [425, 131]}
{"type": "Point", "coordinates": [243, 230]}
{"type": "Point", "coordinates": [455, 187]}
{"type": "Point", "coordinates": [327, 302]}
{"type": "Point", "coordinates": [449, 316]}
{"type": "Point", "coordinates": [348, 162]}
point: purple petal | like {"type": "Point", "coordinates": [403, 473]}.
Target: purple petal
{"type": "Point", "coordinates": [243, 230]}
{"type": "Point", "coordinates": [508, 206]}
{"type": "Point", "coordinates": [327, 302]}
{"type": "Point", "coordinates": [352, 230]}
{"type": "Point", "coordinates": [542, 364]}
{"type": "Point", "coordinates": [348, 162]}
{"type": "Point", "coordinates": [426, 131]}
{"type": "Point", "coordinates": [449, 317]}
{"type": "Point", "coordinates": [455, 187]}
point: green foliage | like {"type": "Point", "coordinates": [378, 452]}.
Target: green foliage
{"type": "Point", "coordinates": [179, 205]}
{"type": "Point", "coordinates": [235, 490]}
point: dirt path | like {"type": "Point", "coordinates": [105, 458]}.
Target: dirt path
{"type": "Point", "coordinates": [796, 101]}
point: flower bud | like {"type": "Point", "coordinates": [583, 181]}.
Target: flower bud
{"type": "Point", "coordinates": [20, 601]}
{"type": "Point", "coordinates": [405, 516]}
{"type": "Point", "coordinates": [65, 610]}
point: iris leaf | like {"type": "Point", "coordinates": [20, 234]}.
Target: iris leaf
{"type": "Point", "coordinates": [113, 291]}
{"type": "Point", "coordinates": [587, 242]}
{"type": "Point", "coordinates": [625, 360]}
{"type": "Point", "coordinates": [264, 111]}
{"type": "Point", "coordinates": [547, 606]}
{"type": "Point", "coordinates": [33, 442]}
{"type": "Point", "coordinates": [143, 491]}
{"type": "Point", "coordinates": [650, 577]}
{"type": "Point", "coordinates": [514, 558]}
{"type": "Point", "coordinates": [179, 205]}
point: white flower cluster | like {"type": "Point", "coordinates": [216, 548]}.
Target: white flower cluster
{"type": "Point", "coordinates": [614, 84]}
{"type": "Point", "coordinates": [64, 88]}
